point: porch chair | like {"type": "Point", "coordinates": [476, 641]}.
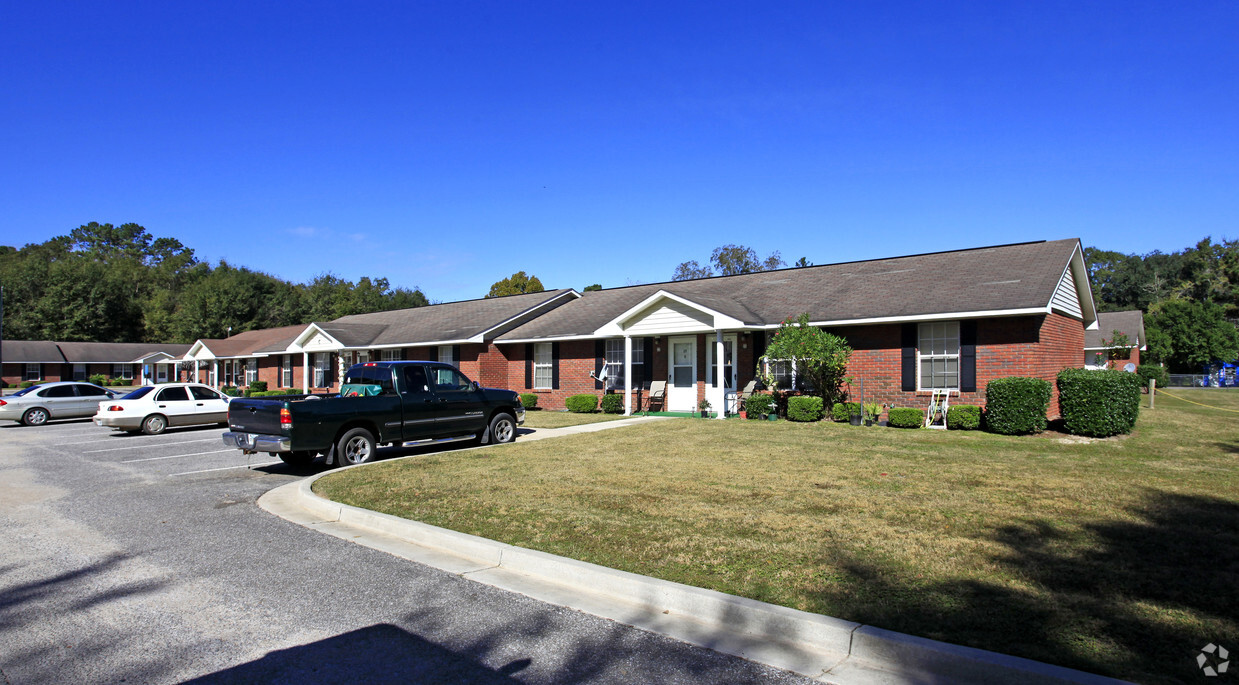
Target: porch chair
{"type": "Point", "coordinates": [745, 394]}
{"type": "Point", "coordinates": [658, 395]}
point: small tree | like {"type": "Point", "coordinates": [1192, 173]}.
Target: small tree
{"type": "Point", "coordinates": [820, 358]}
{"type": "Point", "coordinates": [1118, 346]}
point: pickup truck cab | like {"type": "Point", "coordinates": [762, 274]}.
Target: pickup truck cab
{"type": "Point", "coordinates": [380, 403]}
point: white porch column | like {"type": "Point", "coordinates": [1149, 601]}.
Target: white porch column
{"type": "Point", "coordinates": [628, 375]}
{"type": "Point", "coordinates": [215, 374]}
{"type": "Point", "coordinates": [720, 389]}
{"type": "Point", "coordinates": [196, 362]}
{"type": "Point", "coordinates": [305, 372]}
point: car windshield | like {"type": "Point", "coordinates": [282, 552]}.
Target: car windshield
{"type": "Point", "coordinates": [138, 392]}
{"type": "Point", "coordinates": [25, 391]}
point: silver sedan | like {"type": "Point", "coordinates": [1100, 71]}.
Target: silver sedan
{"type": "Point", "coordinates": [36, 405]}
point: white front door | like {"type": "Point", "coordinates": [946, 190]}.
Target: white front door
{"type": "Point", "coordinates": [161, 373]}
{"type": "Point", "coordinates": [682, 385]}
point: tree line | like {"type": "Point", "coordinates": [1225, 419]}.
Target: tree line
{"type": "Point", "coordinates": [105, 283]}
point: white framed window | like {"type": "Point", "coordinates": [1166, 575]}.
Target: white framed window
{"type": "Point", "coordinates": [251, 371]}
{"type": "Point", "coordinates": [445, 354]}
{"type": "Point", "coordinates": [79, 372]}
{"type": "Point", "coordinates": [938, 356]}
{"type": "Point", "coordinates": [286, 371]}
{"type": "Point", "coordinates": [361, 357]}
{"type": "Point", "coordinates": [391, 355]}
{"type": "Point", "coordinates": [322, 369]}
{"type": "Point", "coordinates": [783, 371]}
{"type": "Point", "coordinates": [33, 372]}
{"type": "Point", "coordinates": [122, 371]}
{"type": "Point", "coordinates": [543, 376]}
{"type": "Point", "coordinates": [615, 361]}
{"type": "Point", "coordinates": [729, 369]}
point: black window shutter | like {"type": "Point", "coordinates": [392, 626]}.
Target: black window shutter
{"type": "Point", "coordinates": [404, 354]}
{"type": "Point", "coordinates": [456, 356]}
{"type": "Point", "coordinates": [968, 356]}
{"type": "Point", "coordinates": [647, 367]}
{"type": "Point", "coordinates": [908, 342]}
{"type": "Point", "coordinates": [759, 344]}
{"type": "Point", "coordinates": [528, 365]}
{"type": "Point", "coordinates": [555, 366]}
{"type": "Point", "coordinates": [600, 360]}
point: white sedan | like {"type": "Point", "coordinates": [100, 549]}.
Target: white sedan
{"type": "Point", "coordinates": [152, 409]}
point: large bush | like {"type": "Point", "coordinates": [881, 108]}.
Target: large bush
{"type": "Point", "coordinates": [905, 417]}
{"type": "Point", "coordinates": [965, 417]}
{"type": "Point", "coordinates": [842, 411]}
{"type": "Point", "coordinates": [804, 408]}
{"type": "Point", "coordinates": [758, 405]}
{"type": "Point", "coordinates": [1016, 405]}
{"type": "Point", "coordinates": [584, 403]}
{"type": "Point", "coordinates": [820, 358]}
{"type": "Point", "coordinates": [98, 379]}
{"type": "Point", "coordinates": [529, 400]}
{"type": "Point", "coordinates": [1155, 372]}
{"type": "Point", "coordinates": [258, 386]}
{"type": "Point", "coordinates": [613, 403]}
{"type": "Point", "coordinates": [27, 384]}
{"type": "Point", "coordinates": [1098, 403]}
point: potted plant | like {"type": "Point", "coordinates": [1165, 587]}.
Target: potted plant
{"type": "Point", "coordinates": [855, 413]}
{"type": "Point", "coordinates": [704, 406]}
{"type": "Point", "coordinates": [872, 411]}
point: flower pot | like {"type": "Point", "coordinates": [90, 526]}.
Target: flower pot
{"type": "Point", "coordinates": [772, 417]}
{"type": "Point", "coordinates": [854, 419]}
{"type": "Point", "coordinates": [705, 414]}
{"type": "Point", "coordinates": [744, 414]}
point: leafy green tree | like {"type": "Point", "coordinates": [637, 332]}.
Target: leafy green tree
{"type": "Point", "coordinates": [688, 271]}
{"type": "Point", "coordinates": [729, 260]}
{"type": "Point", "coordinates": [820, 358]}
{"type": "Point", "coordinates": [802, 262]}
{"type": "Point", "coordinates": [1187, 335]}
{"type": "Point", "coordinates": [591, 288]}
{"type": "Point", "coordinates": [516, 284]}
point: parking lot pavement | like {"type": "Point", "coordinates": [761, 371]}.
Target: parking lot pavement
{"type": "Point", "coordinates": [146, 559]}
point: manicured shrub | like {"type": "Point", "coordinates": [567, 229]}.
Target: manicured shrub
{"type": "Point", "coordinates": [258, 386]}
{"type": "Point", "coordinates": [1155, 372]}
{"type": "Point", "coordinates": [842, 411]}
{"type": "Point", "coordinates": [27, 384]}
{"type": "Point", "coordinates": [963, 417]}
{"type": "Point", "coordinates": [231, 391]}
{"type": "Point", "coordinates": [1098, 403]}
{"type": "Point", "coordinates": [804, 408]}
{"type": "Point", "coordinates": [759, 405]}
{"type": "Point", "coordinates": [613, 403]}
{"type": "Point", "coordinates": [1016, 405]}
{"type": "Point", "coordinates": [98, 379]}
{"type": "Point", "coordinates": [582, 404]}
{"type": "Point", "coordinates": [529, 400]}
{"type": "Point", "coordinates": [905, 417]}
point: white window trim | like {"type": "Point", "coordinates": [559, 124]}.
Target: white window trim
{"type": "Point", "coordinates": [712, 373]}
{"type": "Point", "coordinates": [37, 375]}
{"type": "Point", "coordinates": [322, 367]}
{"type": "Point", "coordinates": [286, 371]}
{"type": "Point", "coordinates": [251, 371]}
{"type": "Point", "coordinates": [544, 365]}
{"type": "Point", "coordinates": [920, 338]}
{"type": "Point", "coordinates": [391, 355]}
{"type": "Point", "coordinates": [124, 371]}
{"type": "Point", "coordinates": [614, 360]}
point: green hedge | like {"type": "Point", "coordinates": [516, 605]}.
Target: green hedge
{"type": "Point", "coordinates": [1098, 403]}
{"type": "Point", "coordinates": [757, 406]}
{"type": "Point", "coordinates": [98, 379]}
{"type": "Point", "coordinates": [1016, 405]}
{"type": "Point", "coordinates": [231, 390]}
{"type": "Point", "coordinates": [31, 384]}
{"type": "Point", "coordinates": [582, 404]}
{"type": "Point", "coordinates": [804, 408]}
{"type": "Point", "coordinates": [258, 386]}
{"type": "Point", "coordinates": [1157, 373]}
{"type": "Point", "coordinates": [963, 417]}
{"type": "Point", "coordinates": [613, 403]}
{"type": "Point", "coordinates": [529, 400]}
{"type": "Point", "coordinates": [842, 411]}
{"type": "Point", "coordinates": [905, 417]}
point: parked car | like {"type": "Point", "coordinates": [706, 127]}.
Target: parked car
{"type": "Point", "coordinates": [151, 409]}
{"type": "Point", "coordinates": [38, 404]}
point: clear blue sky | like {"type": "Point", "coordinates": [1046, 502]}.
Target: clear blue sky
{"type": "Point", "coordinates": [446, 145]}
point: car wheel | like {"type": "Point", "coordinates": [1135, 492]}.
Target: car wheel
{"type": "Point", "coordinates": [35, 417]}
{"type": "Point", "coordinates": [154, 424]}
{"type": "Point", "coordinates": [355, 447]}
{"type": "Point", "coordinates": [296, 458]}
{"type": "Point", "coordinates": [502, 428]}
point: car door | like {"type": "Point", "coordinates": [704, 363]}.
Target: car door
{"type": "Point", "coordinates": [174, 404]}
{"type": "Point", "coordinates": [61, 401]}
{"type": "Point", "coordinates": [89, 397]}
{"type": "Point", "coordinates": [209, 406]}
{"type": "Point", "coordinates": [459, 406]}
{"type": "Point", "coordinates": [419, 405]}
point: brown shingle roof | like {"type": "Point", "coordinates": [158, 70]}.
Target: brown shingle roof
{"type": "Point", "coordinates": [1005, 277]}
{"type": "Point", "coordinates": [30, 352]}
{"type": "Point", "coordinates": [437, 323]}
{"type": "Point", "coordinates": [250, 343]}
{"type": "Point", "coordinates": [1130, 322]}
{"type": "Point", "coordinates": [116, 353]}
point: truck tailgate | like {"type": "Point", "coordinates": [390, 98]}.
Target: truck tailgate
{"type": "Point", "coordinates": [253, 415]}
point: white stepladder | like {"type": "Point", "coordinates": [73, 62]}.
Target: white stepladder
{"type": "Point", "coordinates": [939, 401]}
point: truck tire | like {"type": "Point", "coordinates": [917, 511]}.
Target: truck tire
{"type": "Point", "coordinates": [502, 428]}
{"type": "Point", "coordinates": [357, 446]}
{"type": "Point", "coordinates": [296, 458]}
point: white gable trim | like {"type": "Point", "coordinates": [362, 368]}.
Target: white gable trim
{"type": "Point", "coordinates": [1082, 298]}
{"type": "Point", "coordinates": [678, 314]}
{"type": "Point", "coordinates": [315, 339]}
{"type": "Point", "coordinates": [199, 351]}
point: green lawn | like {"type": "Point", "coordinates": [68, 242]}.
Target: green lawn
{"type": "Point", "coordinates": [1115, 556]}
{"type": "Point", "coordinates": [562, 419]}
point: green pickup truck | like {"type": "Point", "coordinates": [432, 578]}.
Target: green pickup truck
{"type": "Point", "coordinates": [380, 403]}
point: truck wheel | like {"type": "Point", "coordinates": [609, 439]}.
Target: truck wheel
{"type": "Point", "coordinates": [35, 417]}
{"type": "Point", "coordinates": [154, 424]}
{"type": "Point", "coordinates": [355, 447]}
{"type": "Point", "coordinates": [502, 428]}
{"type": "Point", "coordinates": [296, 458]}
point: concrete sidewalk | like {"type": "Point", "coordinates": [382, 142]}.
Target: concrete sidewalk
{"type": "Point", "coordinates": [829, 649]}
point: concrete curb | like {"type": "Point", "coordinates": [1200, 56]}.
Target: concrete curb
{"type": "Point", "coordinates": [829, 649]}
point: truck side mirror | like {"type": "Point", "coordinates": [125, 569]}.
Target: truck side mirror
{"type": "Point", "coordinates": [473, 385]}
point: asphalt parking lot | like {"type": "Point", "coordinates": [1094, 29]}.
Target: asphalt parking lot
{"type": "Point", "coordinates": [134, 558]}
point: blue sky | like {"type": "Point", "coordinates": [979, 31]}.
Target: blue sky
{"type": "Point", "coordinates": [446, 145]}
